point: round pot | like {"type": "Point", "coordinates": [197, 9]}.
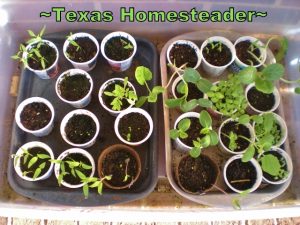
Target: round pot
{"type": "Point", "coordinates": [69, 116]}
{"type": "Point", "coordinates": [43, 131]}
{"type": "Point", "coordinates": [257, 169]}
{"type": "Point", "coordinates": [102, 90]}
{"type": "Point", "coordinates": [252, 110]}
{"type": "Point", "coordinates": [217, 70]}
{"type": "Point", "coordinates": [263, 52]}
{"type": "Point", "coordinates": [213, 169]}
{"type": "Point", "coordinates": [289, 165]}
{"type": "Point", "coordinates": [19, 153]}
{"type": "Point", "coordinates": [178, 143]}
{"type": "Point", "coordinates": [64, 155]}
{"type": "Point", "coordinates": [123, 65]}
{"type": "Point", "coordinates": [283, 129]}
{"type": "Point", "coordinates": [126, 112]}
{"type": "Point", "coordinates": [83, 102]}
{"type": "Point", "coordinates": [222, 145]}
{"type": "Point", "coordinates": [49, 72]}
{"type": "Point", "coordinates": [86, 66]}
{"type": "Point", "coordinates": [185, 42]}
{"type": "Point", "coordinates": [115, 148]}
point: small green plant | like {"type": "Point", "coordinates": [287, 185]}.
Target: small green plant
{"type": "Point", "coordinates": [120, 93]}
{"type": "Point", "coordinates": [214, 45]}
{"type": "Point", "coordinates": [33, 52]}
{"type": "Point", "coordinates": [128, 136]}
{"type": "Point", "coordinates": [126, 44]}
{"type": "Point", "coordinates": [142, 75]}
{"type": "Point", "coordinates": [73, 42]}
{"type": "Point", "coordinates": [28, 160]}
{"type": "Point", "coordinates": [207, 136]}
{"type": "Point", "coordinates": [126, 170]}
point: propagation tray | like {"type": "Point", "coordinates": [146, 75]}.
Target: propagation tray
{"type": "Point", "coordinates": [213, 198]}
{"type": "Point", "coordinates": [48, 190]}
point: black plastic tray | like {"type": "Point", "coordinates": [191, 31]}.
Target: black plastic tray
{"type": "Point", "coordinates": [48, 190]}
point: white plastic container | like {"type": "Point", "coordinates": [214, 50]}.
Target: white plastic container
{"type": "Point", "coordinates": [49, 72]}
{"type": "Point", "coordinates": [86, 66]}
{"type": "Point", "coordinates": [69, 116]}
{"type": "Point", "coordinates": [217, 70]}
{"type": "Point", "coordinates": [19, 153]}
{"type": "Point", "coordinates": [43, 131]}
{"type": "Point", "coordinates": [81, 103]}
{"type": "Point", "coordinates": [64, 155]}
{"type": "Point", "coordinates": [128, 111]}
{"type": "Point", "coordinates": [102, 90]}
{"type": "Point", "coordinates": [119, 65]}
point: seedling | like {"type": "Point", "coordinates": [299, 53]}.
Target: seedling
{"type": "Point", "coordinates": [126, 44]}
{"type": "Point", "coordinates": [73, 42]}
{"type": "Point", "coordinates": [93, 182]}
{"type": "Point", "coordinates": [128, 136]}
{"type": "Point", "coordinates": [126, 170]}
{"type": "Point", "coordinates": [207, 136]}
{"type": "Point", "coordinates": [120, 93]}
{"type": "Point", "coordinates": [214, 45]}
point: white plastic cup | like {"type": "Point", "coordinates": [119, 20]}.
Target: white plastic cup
{"type": "Point", "coordinates": [123, 65]}
{"type": "Point", "coordinates": [19, 153]}
{"type": "Point", "coordinates": [49, 72]}
{"type": "Point", "coordinates": [64, 155]}
{"type": "Point", "coordinates": [222, 145]}
{"type": "Point", "coordinates": [263, 52]}
{"type": "Point", "coordinates": [102, 90]}
{"type": "Point", "coordinates": [217, 70]}
{"type": "Point", "coordinates": [86, 66]}
{"type": "Point", "coordinates": [43, 131]}
{"type": "Point", "coordinates": [128, 111]}
{"type": "Point", "coordinates": [258, 173]}
{"type": "Point", "coordinates": [252, 110]}
{"type": "Point", "coordinates": [83, 102]}
{"type": "Point", "coordinates": [69, 116]}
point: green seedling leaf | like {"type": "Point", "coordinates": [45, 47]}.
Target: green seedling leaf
{"type": "Point", "coordinates": [152, 97]}
{"type": "Point", "coordinates": [204, 85]}
{"type": "Point", "coordinates": [172, 103]}
{"type": "Point", "coordinates": [205, 119]}
{"type": "Point", "coordinates": [297, 90]}
{"type": "Point", "coordinates": [15, 57]}
{"type": "Point", "coordinates": [247, 75]}
{"type": "Point", "coordinates": [95, 184]}
{"type": "Point", "coordinates": [100, 188]}
{"type": "Point", "coordinates": [205, 103]}
{"type": "Point", "coordinates": [43, 156]}
{"type": "Point", "coordinates": [80, 175]}
{"type": "Point", "coordinates": [31, 33]}
{"type": "Point", "coordinates": [236, 203]}
{"type": "Point", "coordinates": [195, 152]}
{"type": "Point", "coordinates": [184, 124]}
{"type": "Point", "coordinates": [264, 86]}
{"type": "Point", "coordinates": [268, 122]}
{"type": "Point", "coordinates": [37, 172]}
{"type": "Point", "coordinates": [189, 106]}
{"type": "Point", "coordinates": [244, 119]}
{"type": "Point", "coordinates": [257, 119]}
{"type": "Point", "coordinates": [182, 87]}
{"type": "Point", "coordinates": [270, 164]}
{"type": "Point", "coordinates": [191, 75]}
{"type": "Point", "coordinates": [141, 101]}
{"type": "Point", "coordinates": [142, 74]}
{"type": "Point", "coordinates": [214, 139]}
{"type": "Point", "coordinates": [85, 189]}
{"type": "Point", "coordinates": [273, 72]}
{"type": "Point", "coordinates": [85, 166]}
{"type": "Point", "coordinates": [205, 141]}
{"type": "Point", "coordinates": [32, 161]}
{"type": "Point", "coordinates": [249, 154]}
{"type": "Point", "coordinates": [282, 50]}
{"type": "Point", "coordinates": [158, 90]}
{"type": "Point", "coordinates": [174, 134]}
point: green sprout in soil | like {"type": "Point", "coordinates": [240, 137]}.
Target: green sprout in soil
{"type": "Point", "coordinates": [207, 136]}
{"type": "Point", "coordinates": [34, 52]}
{"type": "Point", "coordinates": [126, 44]}
{"type": "Point", "coordinates": [126, 170]}
{"type": "Point", "coordinates": [214, 45]}
{"type": "Point", "coordinates": [120, 93]}
{"type": "Point", "coordinates": [128, 136]}
{"type": "Point", "coordinates": [73, 42]}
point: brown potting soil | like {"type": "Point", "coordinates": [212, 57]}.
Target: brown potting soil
{"type": "Point", "coordinates": [115, 48]}
{"type": "Point", "coordinates": [193, 132]}
{"type": "Point", "coordinates": [259, 100]}
{"type": "Point", "coordinates": [47, 52]}
{"type": "Point", "coordinates": [183, 53]}
{"type": "Point", "coordinates": [243, 55]}
{"type": "Point", "coordinates": [216, 57]}
{"type": "Point", "coordinates": [86, 52]}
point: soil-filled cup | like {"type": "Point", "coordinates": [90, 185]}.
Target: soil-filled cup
{"type": "Point", "coordinates": [217, 54]}
{"type": "Point", "coordinates": [80, 128]}
{"type": "Point", "coordinates": [245, 48]}
{"type": "Point", "coordinates": [259, 102]}
{"type": "Point", "coordinates": [242, 176]}
{"type": "Point", "coordinates": [35, 115]}
{"type": "Point", "coordinates": [74, 87]}
{"type": "Point", "coordinates": [118, 48]}
{"type": "Point", "coordinates": [50, 54]}
{"type": "Point", "coordinates": [200, 180]}
{"type": "Point", "coordinates": [133, 126]}
{"type": "Point", "coordinates": [123, 163]}
{"type": "Point", "coordinates": [240, 134]}
{"type": "Point", "coordinates": [42, 167]}
{"type": "Point", "coordinates": [181, 52]}
{"type": "Point", "coordinates": [282, 168]}
{"type": "Point", "coordinates": [106, 101]}
{"type": "Point", "coordinates": [85, 56]}
{"type": "Point", "coordinates": [194, 92]}
{"type": "Point", "coordinates": [74, 155]}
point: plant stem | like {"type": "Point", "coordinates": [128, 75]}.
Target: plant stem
{"type": "Point", "coordinates": [290, 81]}
{"type": "Point", "coordinates": [240, 181]}
{"type": "Point", "coordinates": [176, 72]}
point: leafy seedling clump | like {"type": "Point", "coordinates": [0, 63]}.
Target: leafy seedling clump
{"type": "Point", "coordinates": [217, 53]}
{"type": "Point", "coordinates": [181, 54]}
{"type": "Point", "coordinates": [118, 48]}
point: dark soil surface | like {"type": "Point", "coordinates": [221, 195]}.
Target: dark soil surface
{"type": "Point", "coordinates": [241, 176]}
{"type": "Point", "coordinates": [197, 174]}
{"type": "Point", "coordinates": [215, 56]}
{"type": "Point", "coordinates": [183, 53]}
{"type": "Point", "coordinates": [69, 178]}
{"type": "Point", "coordinates": [80, 129]}
{"type": "Point", "coordinates": [259, 100]}
{"type": "Point", "coordinates": [75, 87]}
{"type": "Point", "coordinates": [134, 127]}
{"type": "Point", "coordinates": [115, 164]}
{"type": "Point", "coordinates": [283, 166]}
{"type": "Point", "coordinates": [48, 53]}
{"type": "Point", "coordinates": [34, 151]}
{"type": "Point", "coordinates": [194, 92]}
{"type": "Point", "coordinates": [108, 99]}
{"type": "Point", "coordinates": [238, 129]}
{"type": "Point", "coordinates": [193, 132]}
{"type": "Point", "coordinates": [35, 116]}
{"type": "Point", "coordinates": [242, 49]}
{"type": "Point", "coordinates": [86, 52]}
{"type": "Point", "coordinates": [117, 48]}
